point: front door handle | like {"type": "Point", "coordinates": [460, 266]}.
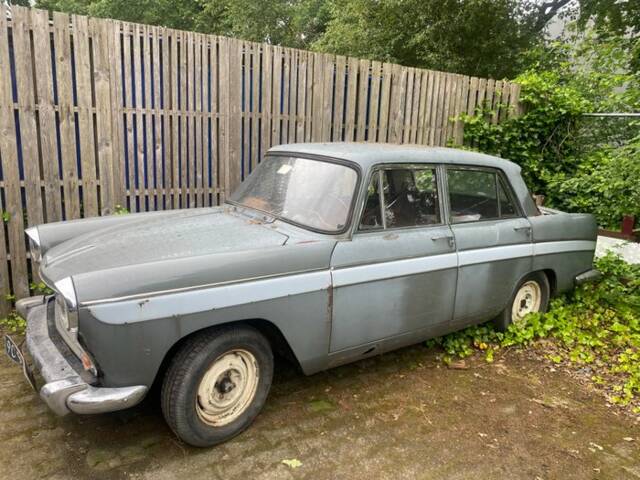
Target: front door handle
{"type": "Point", "coordinates": [526, 229]}
{"type": "Point", "coordinates": [444, 237]}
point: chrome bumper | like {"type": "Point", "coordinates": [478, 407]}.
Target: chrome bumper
{"type": "Point", "coordinates": [67, 388]}
{"type": "Point", "coordinates": [588, 276]}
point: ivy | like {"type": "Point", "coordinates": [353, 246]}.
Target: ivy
{"type": "Point", "coordinates": [596, 325]}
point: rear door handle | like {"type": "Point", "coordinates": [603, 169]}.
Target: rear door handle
{"type": "Point", "coordinates": [521, 229]}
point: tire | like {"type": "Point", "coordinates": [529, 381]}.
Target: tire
{"type": "Point", "coordinates": [532, 294]}
{"type": "Point", "coordinates": [216, 384]}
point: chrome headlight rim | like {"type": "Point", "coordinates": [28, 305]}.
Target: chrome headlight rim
{"type": "Point", "coordinates": [34, 244]}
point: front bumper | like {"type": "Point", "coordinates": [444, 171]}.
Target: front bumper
{"type": "Point", "coordinates": [67, 388]}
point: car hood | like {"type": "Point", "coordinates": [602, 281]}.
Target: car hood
{"type": "Point", "coordinates": [158, 238]}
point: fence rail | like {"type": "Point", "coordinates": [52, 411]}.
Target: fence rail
{"type": "Point", "coordinates": [96, 113]}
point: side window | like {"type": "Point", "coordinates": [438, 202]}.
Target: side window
{"type": "Point", "coordinates": [371, 216]}
{"type": "Point", "coordinates": [507, 209]}
{"type": "Point", "coordinates": [409, 196]}
{"type": "Point", "coordinates": [478, 195]}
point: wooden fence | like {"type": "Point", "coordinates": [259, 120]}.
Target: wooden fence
{"type": "Point", "coordinates": [97, 113]}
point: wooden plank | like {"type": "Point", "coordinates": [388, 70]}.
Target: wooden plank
{"type": "Point", "coordinates": [166, 120]}
{"type": "Point", "coordinates": [461, 109]}
{"type": "Point", "coordinates": [514, 100]}
{"type": "Point", "coordinates": [338, 103]}
{"type": "Point", "coordinates": [235, 116]}
{"type": "Point", "coordinates": [415, 106]}
{"type": "Point", "coordinates": [175, 117]}
{"type": "Point", "coordinates": [138, 35]}
{"type": "Point", "coordinates": [267, 97]}
{"type": "Point", "coordinates": [112, 172]}
{"type": "Point", "coordinates": [385, 102]}
{"type": "Point", "coordinates": [129, 117]}
{"type": "Point", "coordinates": [85, 115]}
{"type": "Point", "coordinates": [46, 115]}
{"type": "Point", "coordinates": [66, 116]}
{"type": "Point", "coordinates": [255, 108]}
{"type": "Point", "coordinates": [276, 111]}
{"type": "Point", "coordinates": [206, 121]}
{"type": "Point", "coordinates": [423, 108]}
{"type": "Point", "coordinates": [183, 106]}
{"type": "Point", "coordinates": [328, 62]}
{"type": "Point", "coordinates": [398, 99]}
{"type": "Point", "coordinates": [5, 279]}
{"type": "Point", "coordinates": [374, 102]}
{"type": "Point", "coordinates": [293, 96]}
{"type": "Point", "coordinates": [351, 112]}
{"type": "Point", "coordinates": [199, 167]}
{"type": "Point", "coordinates": [147, 119]}
{"type": "Point", "coordinates": [473, 96]}
{"type": "Point", "coordinates": [157, 118]}
{"type": "Point", "coordinates": [436, 112]}
{"type": "Point", "coordinates": [301, 109]}
{"type": "Point", "coordinates": [21, 24]}
{"type": "Point", "coordinates": [245, 102]}
{"type": "Point", "coordinates": [497, 99]}
{"type": "Point", "coordinates": [406, 133]}
{"type": "Point", "coordinates": [308, 132]}
{"type": "Point", "coordinates": [363, 99]}
{"type": "Point", "coordinates": [192, 161]}
{"type": "Point", "coordinates": [225, 106]}
{"type": "Point", "coordinates": [11, 174]}
{"type": "Point", "coordinates": [286, 72]}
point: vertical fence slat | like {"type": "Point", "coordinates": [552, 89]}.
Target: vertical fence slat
{"type": "Point", "coordinates": [85, 115]}
{"type": "Point", "coordinates": [46, 115]}
{"type": "Point", "coordinates": [10, 171]}
{"type": "Point", "coordinates": [21, 26]}
{"type": "Point", "coordinates": [67, 123]}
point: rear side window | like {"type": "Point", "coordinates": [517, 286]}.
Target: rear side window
{"type": "Point", "coordinates": [402, 197]}
{"type": "Point", "coordinates": [478, 195]}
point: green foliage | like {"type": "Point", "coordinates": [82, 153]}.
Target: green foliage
{"type": "Point", "coordinates": [578, 164]}
{"type": "Point", "coordinates": [120, 210]}
{"type": "Point", "coordinates": [13, 323]}
{"type": "Point", "coordinates": [475, 37]}
{"type": "Point", "coordinates": [6, 216]}
{"type": "Point", "coordinates": [40, 288]}
{"type": "Point", "coordinates": [597, 325]}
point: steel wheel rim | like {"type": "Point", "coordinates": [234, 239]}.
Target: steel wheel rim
{"type": "Point", "coordinates": [528, 300]}
{"type": "Point", "coordinates": [227, 388]}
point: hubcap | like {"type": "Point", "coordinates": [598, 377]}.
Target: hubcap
{"type": "Point", "coordinates": [227, 388]}
{"type": "Point", "coordinates": [528, 300]}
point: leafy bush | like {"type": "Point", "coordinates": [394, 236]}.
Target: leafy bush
{"type": "Point", "coordinates": [597, 324]}
{"type": "Point", "coordinates": [13, 323]}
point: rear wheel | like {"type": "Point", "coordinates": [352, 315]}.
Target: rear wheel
{"type": "Point", "coordinates": [216, 384]}
{"type": "Point", "coordinates": [531, 296]}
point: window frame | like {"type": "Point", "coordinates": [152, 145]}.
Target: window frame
{"type": "Point", "coordinates": [376, 170]}
{"type": "Point", "coordinates": [500, 177]}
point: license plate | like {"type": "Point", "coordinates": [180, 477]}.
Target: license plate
{"type": "Point", "coordinates": [15, 354]}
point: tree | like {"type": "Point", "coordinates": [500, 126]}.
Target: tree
{"type": "Point", "coordinates": [475, 37]}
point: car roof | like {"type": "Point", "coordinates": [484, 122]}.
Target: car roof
{"type": "Point", "coordinates": [367, 154]}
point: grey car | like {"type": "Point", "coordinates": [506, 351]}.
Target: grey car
{"type": "Point", "coordinates": [326, 254]}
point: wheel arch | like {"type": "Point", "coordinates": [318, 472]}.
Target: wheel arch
{"type": "Point", "coordinates": [273, 334]}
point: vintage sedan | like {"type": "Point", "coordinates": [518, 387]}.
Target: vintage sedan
{"type": "Point", "coordinates": [326, 253]}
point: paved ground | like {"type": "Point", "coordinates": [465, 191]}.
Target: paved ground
{"type": "Point", "coordinates": [402, 415]}
{"type": "Point", "coordinates": [630, 251]}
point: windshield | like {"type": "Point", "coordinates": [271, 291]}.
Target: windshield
{"type": "Point", "coordinates": [312, 193]}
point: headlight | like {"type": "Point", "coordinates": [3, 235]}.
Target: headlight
{"type": "Point", "coordinates": [66, 305]}
{"type": "Point", "coordinates": [34, 244]}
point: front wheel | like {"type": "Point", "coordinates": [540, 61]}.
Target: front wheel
{"type": "Point", "coordinates": [531, 296]}
{"type": "Point", "coordinates": [216, 384]}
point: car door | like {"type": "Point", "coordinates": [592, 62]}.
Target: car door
{"type": "Point", "coordinates": [394, 281]}
{"type": "Point", "coordinates": [493, 239]}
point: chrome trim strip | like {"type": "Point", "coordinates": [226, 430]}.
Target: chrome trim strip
{"type": "Point", "coordinates": [90, 303]}
{"type": "Point", "coordinates": [32, 233]}
{"type": "Point", "coordinates": [547, 248]}
{"type": "Point", "coordinates": [188, 302]}
{"type": "Point", "coordinates": [397, 268]}
{"type": "Point", "coordinates": [494, 254]}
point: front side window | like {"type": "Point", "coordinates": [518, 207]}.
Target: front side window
{"type": "Point", "coordinates": [311, 193]}
{"type": "Point", "coordinates": [477, 195]}
{"type": "Point", "coordinates": [402, 197]}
